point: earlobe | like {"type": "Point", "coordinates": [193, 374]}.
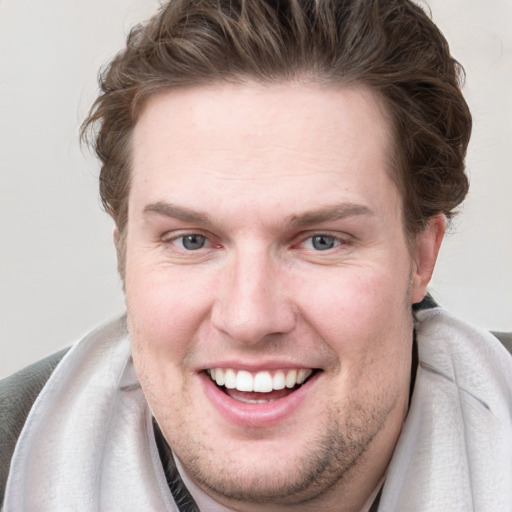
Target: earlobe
{"type": "Point", "coordinates": [116, 236]}
{"type": "Point", "coordinates": [426, 249]}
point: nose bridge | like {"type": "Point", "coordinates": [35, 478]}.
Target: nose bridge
{"type": "Point", "coordinates": [252, 302]}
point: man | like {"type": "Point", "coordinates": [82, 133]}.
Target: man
{"type": "Point", "coordinates": [280, 175]}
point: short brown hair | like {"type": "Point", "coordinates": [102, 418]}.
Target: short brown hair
{"type": "Point", "coordinates": [391, 46]}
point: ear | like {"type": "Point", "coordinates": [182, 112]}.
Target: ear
{"type": "Point", "coordinates": [426, 247]}
{"type": "Point", "coordinates": [116, 236]}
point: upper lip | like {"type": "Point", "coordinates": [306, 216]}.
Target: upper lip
{"type": "Point", "coordinates": [257, 367]}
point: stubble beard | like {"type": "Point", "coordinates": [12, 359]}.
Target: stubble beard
{"type": "Point", "coordinates": [329, 463]}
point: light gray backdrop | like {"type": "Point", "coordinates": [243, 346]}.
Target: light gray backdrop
{"type": "Point", "coordinates": [57, 266]}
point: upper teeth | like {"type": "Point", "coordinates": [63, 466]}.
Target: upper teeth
{"type": "Point", "coordinates": [261, 382]}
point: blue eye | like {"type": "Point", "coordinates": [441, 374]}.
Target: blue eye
{"type": "Point", "coordinates": [323, 242]}
{"type": "Point", "coordinates": [192, 242]}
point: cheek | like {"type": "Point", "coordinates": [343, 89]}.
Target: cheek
{"type": "Point", "coordinates": [161, 295]}
{"type": "Point", "coordinates": [164, 320]}
{"type": "Point", "coordinates": [362, 313]}
{"type": "Point", "coordinates": [366, 321]}
{"type": "Point", "coordinates": [166, 312]}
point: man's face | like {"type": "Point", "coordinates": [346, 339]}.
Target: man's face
{"type": "Point", "coordinates": [265, 243]}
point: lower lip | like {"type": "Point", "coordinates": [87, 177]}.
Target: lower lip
{"type": "Point", "coordinates": [255, 415]}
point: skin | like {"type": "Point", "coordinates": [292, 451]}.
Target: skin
{"type": "Point", "coordinates": [283, 163]}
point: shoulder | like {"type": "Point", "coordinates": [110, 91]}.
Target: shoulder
{"type": "Point", "coordinates": [429, 303]}
{"type": "Point", "coordinates": [505, 338]}
{"type": "Point", "coordinates": [17, 394]}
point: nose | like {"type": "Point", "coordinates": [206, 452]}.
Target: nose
{"type": "Point", "coordinates": [252, 300]}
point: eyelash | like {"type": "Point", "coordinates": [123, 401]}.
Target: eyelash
{"type": "Point", "coordinates": [174, 241]}
{"type": "Point", "coordinates": [208, 243]}
{"type": "Point", "coordinates": [336, 240]}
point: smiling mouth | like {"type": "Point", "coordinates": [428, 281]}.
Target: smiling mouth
{"type": "Point", "coordinates": [259, 387]}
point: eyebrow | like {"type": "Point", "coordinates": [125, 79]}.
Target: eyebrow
{"type": "Point", "coordinates": [178, 212]}
{"type": "Point", "coordinates": [327, 214]}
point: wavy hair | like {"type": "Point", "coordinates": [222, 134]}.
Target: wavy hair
{"type": "Point", "coordinates": [391, 46]}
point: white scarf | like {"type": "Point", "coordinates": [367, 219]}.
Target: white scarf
{"type": "Point", "coordinates": [88, 442]}
{"type": "Point", "coordinates": [455, 450]}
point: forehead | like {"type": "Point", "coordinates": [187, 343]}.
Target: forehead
{"type": "Point", "coordinates": [257, 142]}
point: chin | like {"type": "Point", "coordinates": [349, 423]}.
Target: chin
{"type": "Point", "coordinates": [287, 470]}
